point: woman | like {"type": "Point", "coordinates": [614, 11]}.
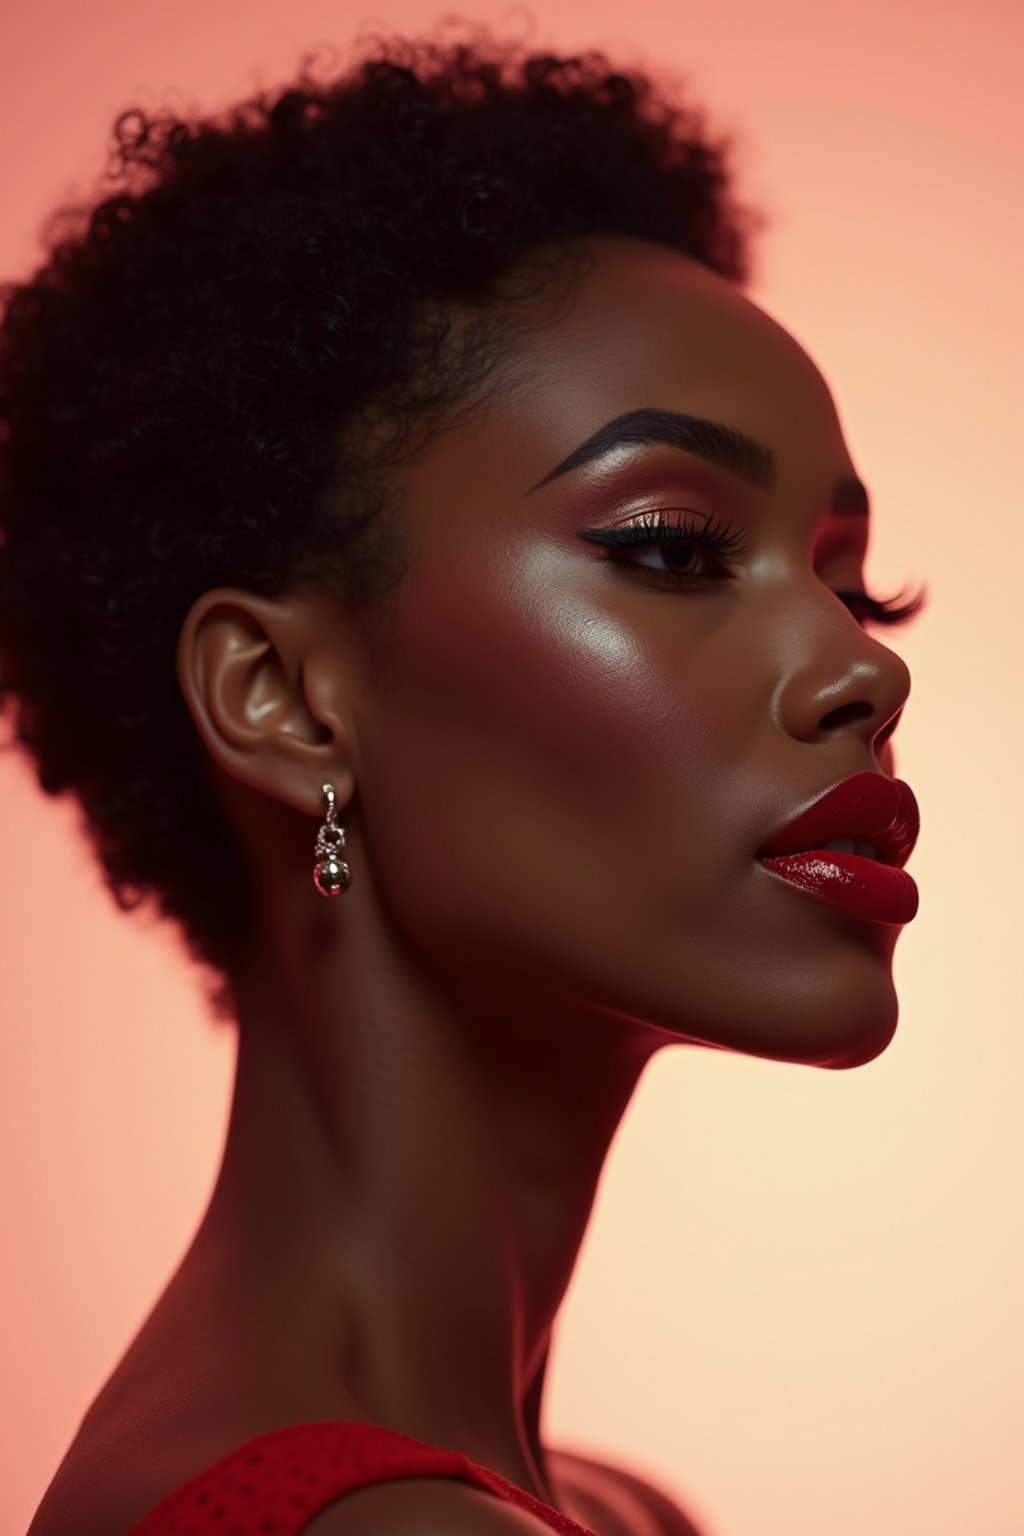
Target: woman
{"type": "Point", "coordinates": [442, 589]}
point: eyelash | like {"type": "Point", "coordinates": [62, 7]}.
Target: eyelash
{"type": "Point", "coordinates": [726, 544]}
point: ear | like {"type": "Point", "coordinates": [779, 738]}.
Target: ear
{"type": "Point", "coordinates": [267, 683]}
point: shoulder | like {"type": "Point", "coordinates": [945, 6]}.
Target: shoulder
{"type": "Point", "coordinates": [670, 1519]}
{"type": "Point", "coordinates": [409, 1506]}
{"type": "Point", "coordinates": [424, 1506]}
{"type": "Point", "coordinates": [609, 1499]}
{"type": "Point", "coordinates": [621, 1498]}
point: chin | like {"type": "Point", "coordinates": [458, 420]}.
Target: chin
{"type": "Point", "coordinates": [839, 1016]}
{"type": "Point", "coordinates": [859, 1052]}
{"type": "Point", "coordinates": [854, 1047]}
{"type": "Point", "coordinates": [834, 1036]}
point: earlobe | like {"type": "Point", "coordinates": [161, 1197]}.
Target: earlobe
{"type": "Point", "coordinates": [241, 668]}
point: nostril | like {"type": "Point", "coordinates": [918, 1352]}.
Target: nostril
{"type": "Point", "coordinates": [855, 711]}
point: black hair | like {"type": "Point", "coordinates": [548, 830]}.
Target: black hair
{"type": "Point", "coordinates": [181, 379]}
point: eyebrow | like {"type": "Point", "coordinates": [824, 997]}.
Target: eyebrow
{"type": "Point", "coordinates": [725, 446]}
{"type": "Point", "coordinates": [728, 447]}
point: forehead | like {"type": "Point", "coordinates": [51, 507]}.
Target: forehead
{"type": "Point", "coordinates": [644, 326]}
{"type": "Point", "coordinates": [644, 307]}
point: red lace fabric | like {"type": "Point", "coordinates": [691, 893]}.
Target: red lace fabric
{"type": "Point", "coordinates": [274, 1484]}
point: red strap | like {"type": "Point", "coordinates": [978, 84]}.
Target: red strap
{"type": "Point", "coordinates": [274, 1484]}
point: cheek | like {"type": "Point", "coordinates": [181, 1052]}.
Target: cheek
{"type": "Point", "coordinates": [562, 791]}
{"type": "Point", "coordinates": [539, 755]}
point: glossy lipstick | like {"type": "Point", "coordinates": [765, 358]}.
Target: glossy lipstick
{"type": "Point", "coordinates": [868, 806]}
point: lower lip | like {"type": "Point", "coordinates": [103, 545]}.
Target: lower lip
{"type": "Point", "coordinates": [879, 892]}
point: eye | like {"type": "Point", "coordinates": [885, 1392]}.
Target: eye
{"type": "Point", "coordinates": [678, 545]}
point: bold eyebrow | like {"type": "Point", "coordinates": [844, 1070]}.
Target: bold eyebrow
{"type": "Point", "coordinates": [725, 446]}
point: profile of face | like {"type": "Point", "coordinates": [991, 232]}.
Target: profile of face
{"type": "Point", "coordinates": [560, 786]}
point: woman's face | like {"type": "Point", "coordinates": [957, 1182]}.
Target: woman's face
{"type": "Point", "coordinates": [563, 783]}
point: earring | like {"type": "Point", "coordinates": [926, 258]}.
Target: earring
{"type": "Point", "coordinates": [331, 875]}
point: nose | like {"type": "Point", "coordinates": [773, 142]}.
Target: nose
{"type": "Point", "coordinates": [848, 683]}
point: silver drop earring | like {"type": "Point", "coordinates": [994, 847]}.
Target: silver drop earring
{"type": "Point", "coordinates": [331, 875]}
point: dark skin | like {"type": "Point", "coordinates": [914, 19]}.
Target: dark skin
{"type": "Point", "coordinates": [553, 794]}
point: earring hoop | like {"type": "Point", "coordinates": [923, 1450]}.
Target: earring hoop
{"type": "Point", "coordinates": [331, 875]}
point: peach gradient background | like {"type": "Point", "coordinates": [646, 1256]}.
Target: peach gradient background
{"type": "Point", "coordinates": [799, 1303]}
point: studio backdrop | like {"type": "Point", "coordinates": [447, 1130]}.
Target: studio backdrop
{"type": "Point", "coordinates": [799, 1302]}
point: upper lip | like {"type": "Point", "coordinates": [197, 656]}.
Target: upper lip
{"type": "Point", "coordinates": [871, 806]}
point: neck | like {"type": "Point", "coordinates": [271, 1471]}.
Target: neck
{"type": "Point", "coordinates": [407, 1186]}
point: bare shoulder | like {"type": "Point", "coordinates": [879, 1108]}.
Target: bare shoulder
{"type": "Point", "coordinates": [617, 1497]}
{"type": "Point", "coordinates": [610, 1500]}
{"type": "Point", "coordinates": [424, 1506]}
{"type": "Point", "coordinates": [413, 1506]}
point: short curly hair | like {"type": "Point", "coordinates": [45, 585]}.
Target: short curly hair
{"type": "Point", "coordinates": [182, 378]}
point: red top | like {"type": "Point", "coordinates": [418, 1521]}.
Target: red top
{"type": "Point", "coordinates": [274, 1484]}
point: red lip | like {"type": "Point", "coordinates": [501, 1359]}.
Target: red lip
{"type": "Point", "coordinates": [871, 806]}
{"type": "Point", "coordinates": [880, 810]}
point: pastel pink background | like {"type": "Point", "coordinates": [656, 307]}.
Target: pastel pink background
{"type": "Point", "coordinates": [799, 1303]}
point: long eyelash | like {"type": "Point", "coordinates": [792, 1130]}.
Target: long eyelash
{"type": "Point", "coordinates": [886, 610]}
{"type": "Point", "coordinates": [721, 538]}
{"type": "Point", "coordinates": [727, 542]}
